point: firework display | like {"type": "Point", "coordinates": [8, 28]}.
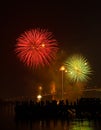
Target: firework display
{"type": "Point", "coordinates": [36, 47]}
{"type": "Point", "coordinates": [78, 68]}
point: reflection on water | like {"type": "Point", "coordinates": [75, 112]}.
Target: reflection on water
{"type": "Point", "coordinates": [8, 122]}
{"type": "Point", "coordinates": [85, 125]}
{"type": "Point", "coordinates": [58, 125]}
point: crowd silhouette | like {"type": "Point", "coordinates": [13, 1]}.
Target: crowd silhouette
{"type": "Point", "coordinates": [83, 108]}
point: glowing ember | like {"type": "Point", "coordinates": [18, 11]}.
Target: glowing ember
{"type": "Point", "coordinates": [36, 47]}
{"type": "Point", "coordinates": [78, 68]}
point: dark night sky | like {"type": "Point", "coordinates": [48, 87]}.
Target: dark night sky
{"type": "Point", "coordinates": [76, 26]}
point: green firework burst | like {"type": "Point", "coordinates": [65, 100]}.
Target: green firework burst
{"type": "Point", "coordinates": [78, 68]}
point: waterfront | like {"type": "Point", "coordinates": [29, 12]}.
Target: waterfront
{"type": "Point", "coordinates": [9, 122]}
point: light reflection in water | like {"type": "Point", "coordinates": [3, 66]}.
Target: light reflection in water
{"type": "Point", "coordinates": [59, 125]}
{"type": "Point", "coordinates": [85, 125]}
{"type": "Point", "coordinates": [7, 121]}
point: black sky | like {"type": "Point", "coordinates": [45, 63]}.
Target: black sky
{"type": "Point", "coordinates": [76, 26]}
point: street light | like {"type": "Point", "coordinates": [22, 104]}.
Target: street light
{"type": "Point", "coordinates": [62, 69]}
{"type": "Point", "coordinates": [39, 97]}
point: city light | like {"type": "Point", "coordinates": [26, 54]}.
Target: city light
{"type": "Point", "coordinates": [39, 97]}
{"type": "Point", "coordinates": [62, 69]}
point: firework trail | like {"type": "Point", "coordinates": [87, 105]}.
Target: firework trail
{"type": "Point", "coordinates": [36, 47]}
{"type": "Point", "coordinates": [78, 68]}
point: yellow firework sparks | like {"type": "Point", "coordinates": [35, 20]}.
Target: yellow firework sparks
{"type": "Point", "coordinates": [78, 68]}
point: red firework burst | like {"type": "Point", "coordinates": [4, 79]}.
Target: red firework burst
{"type": "Point", "coordinates": [36, 47]}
